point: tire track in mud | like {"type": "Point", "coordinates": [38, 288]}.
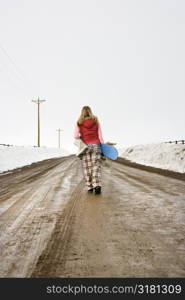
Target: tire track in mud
{"type": "Point", "coordinates": [21, 200]}
{"type": "Point", "coordinates": [80, 245]}
{"type": "Point", "coordinates": [141, 179]}
{"type": "Point", "coordinates": [26, 234]}
{"type": "Point", "coordinates": [113, 235]}
{"type": "Point", "coordinates": [21, 176]}
{"type": "Point", "coordinates": [152, 225]}
{"type": "Point", "coordinates": [131, 230]}
{"type": "Point", "coordinates": [53, 258]}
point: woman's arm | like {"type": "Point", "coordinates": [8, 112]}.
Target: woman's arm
{"type": "Point", "coordinates": [77, 132]}
{"type": "Point", "coordinates": [100, 134]}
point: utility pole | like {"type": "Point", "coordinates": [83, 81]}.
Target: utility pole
{"type": "Point", "coordinates": [38, 102]}
{"type": "Point", "coordinates": [59, 130]}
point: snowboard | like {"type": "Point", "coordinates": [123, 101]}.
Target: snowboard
{"type": "Point", "coordinates": [109, 151]}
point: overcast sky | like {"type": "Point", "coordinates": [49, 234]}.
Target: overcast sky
{"type": "Point", "coordinates": [124, 58]}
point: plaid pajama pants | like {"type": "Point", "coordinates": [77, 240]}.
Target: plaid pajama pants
{"type": "Point", "coordinates": [91, 161]}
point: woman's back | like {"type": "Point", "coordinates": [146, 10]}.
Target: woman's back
{"type": "Point", "coordinates": [89, 131]}
{"type": "Point", "coordinates": [88, 127]}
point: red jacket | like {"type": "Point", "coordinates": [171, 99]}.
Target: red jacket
{"type": "Point", "coordinates": [90, 132]}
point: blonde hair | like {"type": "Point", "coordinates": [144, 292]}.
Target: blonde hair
{"type": "Point", "coordinates": [86, 114]}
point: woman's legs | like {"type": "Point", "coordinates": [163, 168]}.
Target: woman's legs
{"type": "Point", "coordinates": [91, 161]}
{"type": "Point", "coordinates": [96, 168]}
{"type": "Point", "coordinates": [86, 162]}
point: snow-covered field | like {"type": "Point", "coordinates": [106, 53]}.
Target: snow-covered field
{"type": "Point", "coordinates": [18, 156]}
{"type": "Point", "coordinates": [161, 155]}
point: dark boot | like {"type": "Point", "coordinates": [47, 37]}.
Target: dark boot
{"type": "Point", "coordinates": [97, 190]}
{"type": "Point", "coordinates": [90, 191]}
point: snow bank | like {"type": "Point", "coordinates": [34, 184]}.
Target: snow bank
{"type": "Point", "coordinates": [18, 156]}
{"type": "Point", "coordinates": [162, 155]}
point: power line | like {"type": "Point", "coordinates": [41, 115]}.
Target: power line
{"type": "Point", "coordinates": [11, 79]}
{"type": "Point", "coordinates": [20, 74]}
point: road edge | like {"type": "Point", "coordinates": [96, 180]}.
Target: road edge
{"type": "Point", "coordinates": [164, 172]}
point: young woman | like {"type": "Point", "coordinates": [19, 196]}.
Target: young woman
{"type": "Point", "coordinates": [89, 130]}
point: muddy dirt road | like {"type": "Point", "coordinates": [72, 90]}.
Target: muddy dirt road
{"type": "Point", "coordinates": [50, 226]}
